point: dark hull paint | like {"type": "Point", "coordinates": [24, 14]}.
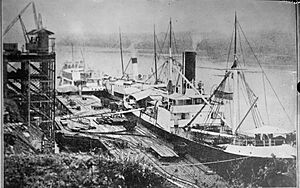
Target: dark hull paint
{"type": "Point", "coordinates": [206, 153]}
{"type": "Point", "coordinates": [202, 152]}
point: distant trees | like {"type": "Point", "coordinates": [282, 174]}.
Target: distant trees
{"type": "Point", "coordinates": [215, 45]}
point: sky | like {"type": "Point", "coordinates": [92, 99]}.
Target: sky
{"type": "Point", "coordinates": [82, 17]}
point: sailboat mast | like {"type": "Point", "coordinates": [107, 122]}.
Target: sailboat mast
{"type": "Point", "coordinates": [121, 52]}
{"type": "Point", "coordinates": [235, 80]}
{"type": "Point", "coordinates": [235, 35]}
{"type": "Point", "coordinates": [155, 58]}
{"type": "Point", "coordinates": [170, 53]}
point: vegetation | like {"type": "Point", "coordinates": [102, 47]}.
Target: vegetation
{"type": "Point", "coordinates": [255, 172]}
{"type": "Point", "coordinates": [71, 170]}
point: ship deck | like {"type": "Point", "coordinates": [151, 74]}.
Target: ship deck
{"type": "Point", "coordinates": [82, 105]}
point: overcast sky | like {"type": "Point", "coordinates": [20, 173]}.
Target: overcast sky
{"type": "Point", "coordinates": [135, 16]}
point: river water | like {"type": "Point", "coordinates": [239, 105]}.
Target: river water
{"type": "Point", "coordinates": [282, 78]}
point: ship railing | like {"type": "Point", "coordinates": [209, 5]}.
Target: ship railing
{"type": "Point", "coordinates": [256, 142]}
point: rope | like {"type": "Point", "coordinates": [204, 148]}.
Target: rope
{"type": "Point", "coordinates": [175, 42]}
{"type": "Point", "coordinates": [164, 41]}
{"type": "Point", "coordinates": [163, 66]}
{"type": "Point", "coordinates": [265, 75]}
{"type": "Point", "coordinates": [229, 51]}
{"type": "Point", "coordinates": [266, 104]}
{"type": "Point", "coordinates": [157, 42]}
{"type": "Point", "coordinates": [259, 115]}
{"type": "Point", "coordinates": [127, 65]}
{"type": "Point", "coordinates": [238, 100]}
{"type": "Point", "coordinates": [250, 98]}
{"type": "Point", "coordinates": [154, 72]}
{"type": "Point", "coordinates": [208, 163]}
{"type": "Point", "coordinates": [242, 51]}
{"type": "Point", "coordinates": [249, 103]}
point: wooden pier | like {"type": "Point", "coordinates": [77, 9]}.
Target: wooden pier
{"type": "Point", "coordinates": [140, 145]}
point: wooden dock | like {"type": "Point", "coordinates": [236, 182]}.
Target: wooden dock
{"type": "Point", "coordinates": [140, 145]}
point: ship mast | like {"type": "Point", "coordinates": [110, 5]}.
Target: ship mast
{"type": "Point", "coordinates": [121, 52]}
{"type": "Point", "coordinates": [234, 53]}
{"type": "Point", "coordinates": [155, 57]}
{"type": "Point", "coordinates": [170, 53]}
{"type": "Point", "coordinates": [235, 80]}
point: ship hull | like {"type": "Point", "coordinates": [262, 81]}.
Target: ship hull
{"type": "Point", "coordinates": [225, 164]}
{"type": "Point", "coordinates": [201, 151]}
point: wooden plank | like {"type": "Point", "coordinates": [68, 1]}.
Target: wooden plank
{"type": "Point", "coordinates": [163, 151]}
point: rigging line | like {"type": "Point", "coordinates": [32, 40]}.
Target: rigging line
{"type": "Point", "coordinates": [228, 55]}
{"type": "Point", "coordinates": [166, 35]}
{"type": "Point", "coordinates": [207, 117]}
{"type": "Point", "coordinates": [175, 41]}
{"type": "Point", "coordinates": [260, 117]}
{"type": "Point", "coordinates": [254, 114]}
{"type": "Point", "coordinates": [260, 121]}
{"type": "Point", "coordinates": [238, 99]}
{"type": "Point", "coordinates": [230, 103]}
{"type": "Point", "coordinates": [247, 102]}
{"type": "Point", "coordinates": [247, 85]}
{"type": "Point", "coordinates": [127, 66]}
{"type": "Point", "coordinates": [266, 104]}
{"type": "Point", "coordinates": [266, 76]}
{"type": "Point", "coordinates": [253, 105]}
{"type": "Point", "coordinates": [178, 77]}
{"type": "Point", "coordinates": [242, 51]}
{"type": "Point", "coordinates": [157, 42]}
{"type": "Point", "coordinates": [217, 110]}
{"type": "Point", "coordinates": [251, 94]}
{"type": "Point", "coordinates": [209, 99]}
{"type": "Point", "coordinates": [161, 70]}
{"type": "Point", "coordinates": [154, 73]}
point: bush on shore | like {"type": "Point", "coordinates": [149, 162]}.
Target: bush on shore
{"type": "Point", "coordinates": [61, 170]}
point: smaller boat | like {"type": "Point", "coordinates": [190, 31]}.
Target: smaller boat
{"type": "Point", "coordinates": [75, 77]}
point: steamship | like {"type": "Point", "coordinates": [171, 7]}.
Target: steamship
{"type": "Point", "coordinates": [119, 88]}
{"type": "Point", "coordinates": [187, 115]}
{"type": "Point", "coordinates": [76, 77]}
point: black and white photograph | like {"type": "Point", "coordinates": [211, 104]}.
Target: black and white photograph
{"type": "Point", "coordinates": [149, 93]}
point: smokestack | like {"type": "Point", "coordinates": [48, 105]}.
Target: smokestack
{"type": "Point", "coordinates": [190, 65]}
{"type": "Point", "coordinates": [189, 68]}
{"type": "Point", "coordinates": [135, 68]}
